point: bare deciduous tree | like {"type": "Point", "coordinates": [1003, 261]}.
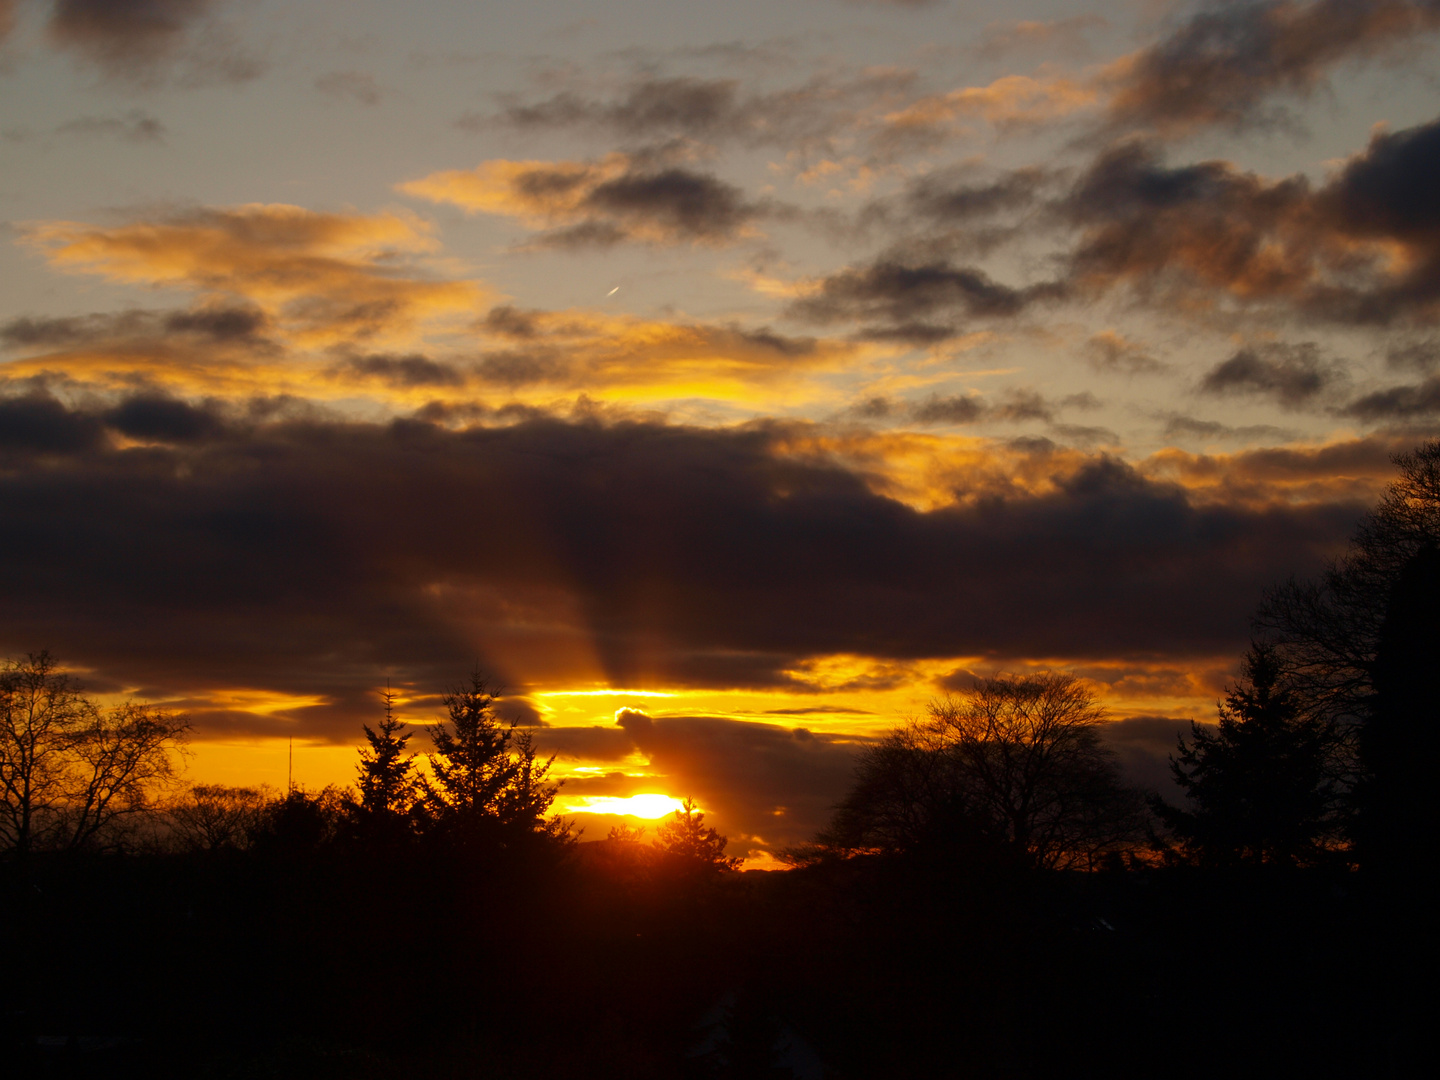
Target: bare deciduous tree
{"type": "Point", "coordinates": [1015, 764]}
{"type": "Point", "coordinates": [73, 774]}
{"type": "Point", "coordinates": [212, 816]}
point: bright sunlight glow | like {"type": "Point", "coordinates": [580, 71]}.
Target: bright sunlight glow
{"type": "Point", "coordinates": [641, 806]}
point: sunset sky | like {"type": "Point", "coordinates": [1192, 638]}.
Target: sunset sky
{"type": "Point", "coordinates": [726, 380]}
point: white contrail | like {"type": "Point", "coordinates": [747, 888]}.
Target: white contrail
{"type": "Point", "coordinates": [613, 291]}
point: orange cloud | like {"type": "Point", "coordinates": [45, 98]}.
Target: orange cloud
{"type": "Point", "coordinates": [321, 278]}
{"type": "Point", "coordinates": [1010, 101]}
{"type": "Point", "coordinates": [618, 198]}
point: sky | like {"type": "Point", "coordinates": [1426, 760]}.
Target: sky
{"type": "Point", "coordinates": [725, 381]}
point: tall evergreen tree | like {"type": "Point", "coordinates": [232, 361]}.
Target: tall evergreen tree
{"type": "Point", "coordinates": [686, 836]}
{"type": "Point", "coordinates": [485, 774]}
{"type": "Point", "coordinates": [1259, 787]}
{"type": "Point", "coordinates": [389, 785]}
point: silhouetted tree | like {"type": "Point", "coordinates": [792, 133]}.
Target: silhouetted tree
{"type": "Point", "coordinates": [1260, 787]}
{"type": "Point", "coordinates": [485, 775]}
{"type": "Point", "coordinates": [214, 817]}
{"type": "Point", "coordinates": [1014, 766]}
{"type": "Point", "coordinates": [685, 836]}
{"type": "Point", "coordinates": [389, 786]}
{"type": "Point", "coordinates": [1396, 828]}
{"type": "Point", "coordinates": [1334, 635]}
{"type": "Point", "coordinates": [73, 774]}
{"type": "Point", "coordinates": [626, 832]}
{"type": "Point", "coordinates": [1327, 631]}
{"type": "Point", "coordinates": [300, 823]}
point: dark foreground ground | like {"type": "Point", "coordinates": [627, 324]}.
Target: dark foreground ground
{"type": "Point", "coordinates": [416, 965]}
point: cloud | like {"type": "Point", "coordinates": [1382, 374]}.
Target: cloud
{"type": "Point", "coordinates": [156, 416]}
{"type": "Point", "coordinates": [1363, 248]}
{"type": "Point", "coordinates": [1065, 37]}
{"type": "Point", "coordinates": [39, 424]}
{"type": "Point", "coordinates": [7, 17]}
{"type": "Point", "coordinates": [586, 204]}
{"type": "Point", "coordinates": [1292, 375]}
{"type": "Point", "coordinates": [766, 786]}
{"type": "Point", "coordinates": [299, 556]}
{"type": "Point", "coordinates": [316, 278]}
{"type": "Point", "coordinates": [1111, 351]}
{"type": "Point", "coordinates": [1143, 746]}
{"type": "Point", "coordinates": [141, 40]}
{"type": "Point", "coordinates": [950, 196]}
{"type": "Point", "coordinates": [1398, 402]}
{"type": "Point", "coordinates": [134, 126]}
{"type": "Point", "coordinates": [916, 303]}
{"type": "Point", "coordinates": [1189, 427]}
{"type": "Point", "coordinates": [404, 371]}
{"type": "Point", "coordinates": [808, 118]}
{"type": "Point", "coordinates": [1011, 101]}
{"type": "Point", "coordinates": [1419, 356]}
{"type": "Point", "coordinates": [1015, 406]}
{"type": "Point", "coordinates": [355, 85]}
{"type": "Point", "coordinates": [213, 324]}
{"type": "Point", "coordinates": [1220, 66]}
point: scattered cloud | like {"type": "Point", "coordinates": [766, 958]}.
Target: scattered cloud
{"type": "Point", "coordinates": [1398, 402]}
{"type": "Point", "coordinates": [1111, 351]}
{"type": "Point", "coordinates": [1294, 376]}
{"type": "Point", "coordinates": [1063, 37]}
{"type": "Point", "coordinates": [355, 85]}
{"type": "Point", "coordinates": [1221, 66]}
{"type": "Point", "coordinates": [917, 303]}
{"type": "Point", "coordinates": [318, 278]}
{"type": "Point", "coordinates": [146, 41]}
{"type": "Point", "coordinates": [617, 199]}
{"type": "Point", "coordinates": [1363, 248]}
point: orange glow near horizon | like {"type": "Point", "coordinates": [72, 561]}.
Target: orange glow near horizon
{"type": "Point", "coordinates": [649, 806]}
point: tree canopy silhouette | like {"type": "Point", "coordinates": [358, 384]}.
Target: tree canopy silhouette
{"type": "Point", "coordinates": [73, 775]}
{"type": "Point", "coordinates": [485, 776]}
{"type": "Point", "coordinates": [1327, 631]}
{"type": "Point", "coordinates": [685, 837]}
{"type": "Point", "coordinates": [1261, 788]}
{"type": "Point", "coordinates": [1013, 767]}
{"type": "Point", "coordinates": [1352, 644]}
{"type": "Point", "coordinates": [389, 784]}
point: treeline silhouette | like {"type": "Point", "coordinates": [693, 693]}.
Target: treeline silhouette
{"type": "Point", "coordinates": [990, 899]}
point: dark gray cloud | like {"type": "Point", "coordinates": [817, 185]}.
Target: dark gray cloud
{"type": "Point", "coordinates": [1143, 746]}
{"type": "Point", "coordinates": [1421, 356]}
{"type": "Point", "coordinates": [1222, 65]}
{"type": "Point", "coordinates": [134, 126]}
{"type": "Point", "coordinates": [1209, 235]}
{"type": "Point", "coordinates": [952, 197]}
{"type": "Point", "coordinates": [403, 371]}
{"type": "Point", "coordinates": [355, 85]}
{"type": "Point", "coordinates": [1398, 402]}
{"type": "Point", "coordinates": [1188, 427]}
{"type": "Point", "coordinates": [139, 40]}
{"type": "Point", "coordinates": [1292, 375]}
{"type": "Point", "coordinates": [682, 203]}
{"type": "Point", "coordinates": [212, 324]}
{"type": "Point", "coordinates": [1015, 406]}
{"type": "Point", "coordinates": [511, 322]}
{"type": "Point", "coordinates": [39, 424]}
{"type": "Point", "coordinates": [919, 303]}
{"type": "Point", "coordinates": [156, 416]}
{"type": "Point", "coordinates": [1110, 352]}
{"type": "Point", "coordinates": [653, 110]}
{"type": "Point", "coordinates": [312, 557]}
{"type": "Point", "coordinates": [756, 780]}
